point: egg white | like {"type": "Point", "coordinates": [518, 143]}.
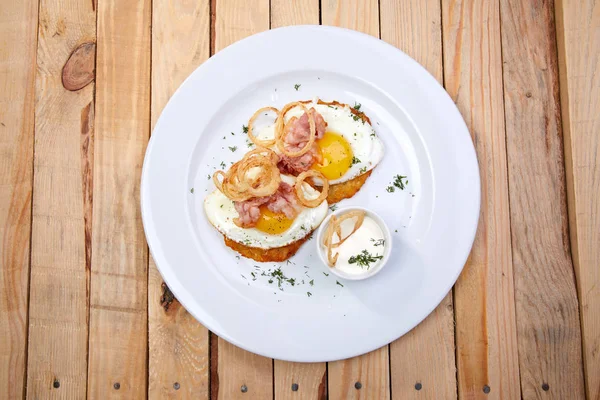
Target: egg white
{"type": "Point", "coordinates": [221, 212]}
{"type": "Point", "coordinates": [366, 145]}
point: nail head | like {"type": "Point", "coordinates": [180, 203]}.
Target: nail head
{"type": "Point", "coordinates": [294, 387]}
{"type": "Point", "coordinates": [358, 385]}
{"type": "Point", "coordinates": [244, 388]}
{"type": "Point", "coordinates": [176, 386]}
{"type": "Point", "coordinates": [545, 387]}
{"type": "Point", "coordinates": [418, 386]}
{"type": "Point", "coordinates": [117, 386]}
{"type": "Point", "coordinates": [56, 383]}
{"type": "Point", "coordinates": [486, 389]}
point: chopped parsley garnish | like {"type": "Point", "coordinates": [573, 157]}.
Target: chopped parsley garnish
{"type": "Point", "coordinates": [303, 227]}
{"type": "Point", "coordinates": [329, 106]}
{"type": "Point", "coordinates": [232, 148]}
{"type": "Point", "coordinates": [390, 189]}
{"type": "Point", "coordinates": [249, 143]}
{"type": "Point", "coordinates": [192, 190]}
{"type": "Point", "coordinates": [333, 207]}
{"type": "Point", "coordinates": [399, 183]}
{"type": "Point", "coordinates": [326, 274]}
{"type": "Point", "coordinates": [209, 177]}
{"type": "Point", "coordinates": [379, 242]}
{"type": "Point", "coordinates": [221, 205]}
{"type": "Point", "coordinates": [292, 281]}
{"type": "Point", "coordinates": [308, 294]}
{"type": "Point", "coordinates": [357, 106]}
{"type": "Point", "coordinates": [232, 134]}
{"type": "Point", "coordinates": [355, 160]}
{"type": "Point", "coordinates": [355, 117]}
{"type": "Point", "coordinates": [364, 259]}
{"type": "Point", "coordinates": [372, 134]}
{"type": "Point", "coordinates": [363, 170]}
{"type": "Point", "coordinates": [338, 283]}
{"type": "Point", "coordinates": [223, 164]}
{"type": "Point", "coordinates": [245, 128]}
{"type": "Point", "coordinates": [297, 86]}
{"type": "Point", "coordinates": [311, 282]}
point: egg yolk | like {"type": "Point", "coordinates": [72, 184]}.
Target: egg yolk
{"type": "Point", "coordinates": [336, 155]}
{"type": "Point", "coordinates": [272, 223]}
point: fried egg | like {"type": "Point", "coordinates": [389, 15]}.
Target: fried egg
{"type": "Point", "coordinates": [349, 148]}
{"type": "Point", "coordinates": [273, 229]}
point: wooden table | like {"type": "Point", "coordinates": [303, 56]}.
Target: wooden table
{"type": "Point", "coordinates": [80, 299]}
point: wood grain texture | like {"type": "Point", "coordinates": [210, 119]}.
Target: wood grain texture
{"type": "Point", "coordinates": [360, 15]}
{"type": "Point", "coordinates": [60, 269]}
{"type": "Point", "coordinates": [243, 375]}
{"type": "Point", "coordinates": [425, 355]}
{"type": "Point", "coordinates": [18, 44]}
{"type": "Point", "coordinates": [547, 310]}
{"type": "Point", "coordinates": [294, 12]}
{"type": "Point", "coordinates": [370, 371]}
{"type": "Point", "coordinates": [178, 344]}
{"type": "Point", "coordinates": [235, 20]}
{"type": "Point", "coordinates": [578, 24]}
{"type": "Point", "coordinates": [119, 283]}
{"type": "Point", "coordinates": [311, 378]}
{"type": "Point", "coordinates": [487, 355]}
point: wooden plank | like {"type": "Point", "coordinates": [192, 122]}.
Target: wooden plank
{"type": "Point", "coordinates": [360, 15]}
{"type": "Point", "coordinates": [364, 377]}
{"type": "Point", "coordinates": [486, 340]}
{"type": "Point", "coordinates": [60, 270]}
{"type": "Point", "coordinates": [119, 282]}
{"type": "Point", "coordinates": [18, 32]}
{"type": "Point", "coordinates": [577, 24]}
{"type": "Point", "coordinates": [422, 362]}
{"type": "Point", "coordinates": [178, 344]}
{"type": "Point", "coordinates": [370, 370]}
{"type": "Point", "coordinates": [547, 310]}
{"type": "Point", "coordinates": [298, 380]}
{"type": "Point", "coordinates": [237, 368]}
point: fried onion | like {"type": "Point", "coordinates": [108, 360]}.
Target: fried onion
{"type": "Point", "coordinates": [255, 175]}
{"type": "Point", "coordinates": [335, 227]}
{"type": "Point", "coordinates": [280, 128]}
{"type": "Point", "coordinates": [254, 139]}
{"type": "Point", "coordinates": [300, 192]}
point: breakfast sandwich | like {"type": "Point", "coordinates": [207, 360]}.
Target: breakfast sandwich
{"type": "Point", "coordinates": [263, 213]}
{"type": "Point", "coordinates": [329, 137]}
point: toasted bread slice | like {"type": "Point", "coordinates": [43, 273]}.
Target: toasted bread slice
{"type": "Point", "coordinates": [276, 254]}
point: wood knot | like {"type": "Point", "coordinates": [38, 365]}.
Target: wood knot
{"type": "Point", "coordinates": [80, 68]}
{"type": "Point", "coordinates": [167, 297]}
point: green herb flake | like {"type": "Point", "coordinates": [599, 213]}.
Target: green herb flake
{"type": "Point", "coordinates": [232, 134]}
{"type": "Point", "coordinates": [326, 274]}
{"type": "Point", "coordinates": [223, 164]}
{"type": "Point", "coordinates": [312, 282]}
{"type": "Point", "coordinates": [355, 160]}
{"type": "Point", "coordinates": [357, 106]}
{"type": "Point", "coordinates": [232, 148]}
{"type": "Point", "coordinates": [249, 143]}
{"type": "Point", "coordinates": [333, 207]}
{"type": "Point", "coordinates": [297, 86]}
{"type": "Point", "coordinates": [390, 189]}
{"type": "Point", "coordinates": [363, 170]}
{"type": "Point", "coordinates": [379, 242]}
{"type": "Point", "coordinates": [308, 294]}
{"type": "Point", "coordinates": [364, 259]}
{"type": "Point", "coordinates": [245, 128]}
{"type": "Point", "coordinates": [338, 283]}
{"type": "Point", "coordinates": [399, 183]}
{"type": "Point", "coordinates": [192, 190]}
{"type": "Point", "coordinates": [355, 117]}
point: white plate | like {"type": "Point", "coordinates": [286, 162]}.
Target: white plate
{"type": "Point", "coordinates": [433, 221]}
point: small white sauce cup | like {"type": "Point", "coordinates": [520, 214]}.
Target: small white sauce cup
{"type": "Point", "coordinates": [322, 250]}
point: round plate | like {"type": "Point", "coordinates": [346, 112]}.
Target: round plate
{"type": "Point", "coordinates": [309, 315]}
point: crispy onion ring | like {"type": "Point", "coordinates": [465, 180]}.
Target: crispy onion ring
{"type": "Point", "coordinates": [300, 193]}
{"type": "Point", "coordinates": [279, 130]}
{"type": "Point", "coordinates": [254, 139]}
{"type": "Point", "coordinates": [238, 184]}
{"type": "Point", "coordinates": [335, 227]}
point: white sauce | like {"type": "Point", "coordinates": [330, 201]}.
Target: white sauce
{"type": "Point", "coordinates": [368, 237]}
